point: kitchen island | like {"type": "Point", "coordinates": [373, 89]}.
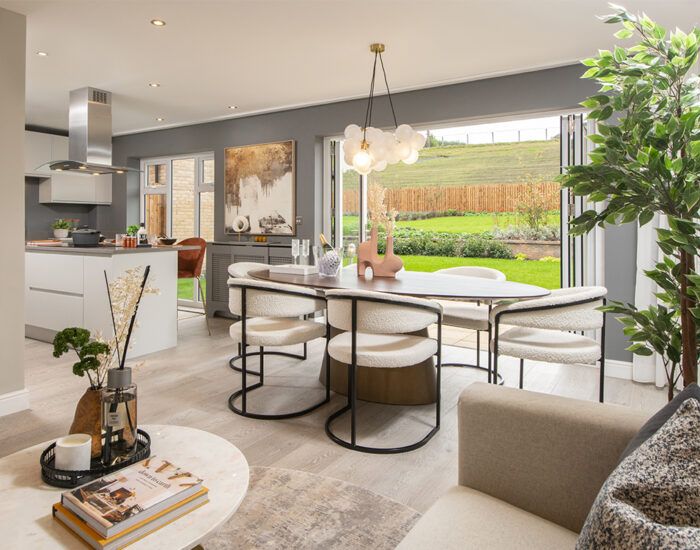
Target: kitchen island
{"type": "Point", "coordinates": [65, 287]}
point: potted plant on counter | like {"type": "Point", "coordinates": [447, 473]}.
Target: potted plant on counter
{"type": "Point", "coordinates": [61, 228]}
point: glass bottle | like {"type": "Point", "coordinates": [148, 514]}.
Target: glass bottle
{"type": "Point", "coordinates": [142, 235]}
{"type": "Point", "coordinates": [119, 422]}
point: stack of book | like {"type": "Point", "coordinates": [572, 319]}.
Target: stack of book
{"type": "Point", "coordinates": [125, 506]}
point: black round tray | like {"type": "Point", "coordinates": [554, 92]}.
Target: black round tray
{"type": "Point", "coordinates": [72, 478]}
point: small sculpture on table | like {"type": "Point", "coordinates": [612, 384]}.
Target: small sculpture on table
{"type": "Point", "coordinates": [367, 251]}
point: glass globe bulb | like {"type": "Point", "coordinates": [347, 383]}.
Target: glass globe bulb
{"type": "Point", "coordinates": [352, 131]}
{"type": "Point", "coordinates": [403, 150]}
{"type": "Point", "coordinates": [413, 157]}
{"type": "Point", "coordinates": [362, 161]}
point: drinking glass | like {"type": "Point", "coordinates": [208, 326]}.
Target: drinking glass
{"type": "Point", "coordinates": [318, 253]}
{"type": "Point", "coordinates": [305, 252]}
{"type": "Point", "coordinates": [295, 250]}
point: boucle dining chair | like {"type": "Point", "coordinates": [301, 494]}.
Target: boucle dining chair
{"type": "Point", "coordinates": [550, 329]}
{"type": "Point", "coordinates": [240, 270]}
{"type": "Point", "coordinates": [470, 315]}
{"type": "Point", "coordinates": [272, 314]}
{"type": "Point", "coordinates": [380, 333]}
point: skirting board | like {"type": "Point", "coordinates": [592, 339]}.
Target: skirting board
{"type": "Point", "coordinates": [14, 401]}
{"type": "Point", "coordinates": [618, 369]}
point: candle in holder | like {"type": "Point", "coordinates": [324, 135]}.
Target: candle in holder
{"type": "Point", "coordinates": [72, 452]}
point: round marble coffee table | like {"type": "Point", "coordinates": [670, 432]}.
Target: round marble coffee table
{"type": "Point", "coordinates": [25, 501]}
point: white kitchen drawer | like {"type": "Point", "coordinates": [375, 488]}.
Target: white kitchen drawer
{"type": "Point", "coordinates": [54, 271]}
{"type": "Point", "coordinates": [53, 311]}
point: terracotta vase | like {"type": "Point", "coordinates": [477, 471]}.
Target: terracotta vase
{"type": "Point", "coordinates": [368, 257]}
{"type": "Point", "coordinates": [87, 419]}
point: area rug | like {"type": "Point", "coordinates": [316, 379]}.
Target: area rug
{"type": "Point", "coordinates": [294, 509]}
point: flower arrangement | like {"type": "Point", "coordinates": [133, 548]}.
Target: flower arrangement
{"type": "Point", "coordinates": [98, 355]}
{"type": "Point", "coordinates": [368, 255]}
{"type": "Point", "coordinates": [379, 214]}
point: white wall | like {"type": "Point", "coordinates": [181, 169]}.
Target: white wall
{"type": "Point", "coordinates": [13, 395]}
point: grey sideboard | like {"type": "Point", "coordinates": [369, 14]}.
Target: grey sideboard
{"type": "Point", "coordinates": [222, 254]}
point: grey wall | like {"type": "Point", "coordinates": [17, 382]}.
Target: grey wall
{"type": "Point", "coordinates": [558, 90]}
{"type": "Point", "coordinates": [12, 68]}
{"type": "Point", "coordinates": [38, 217]}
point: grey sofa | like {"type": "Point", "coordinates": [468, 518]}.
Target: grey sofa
{"type": "Point", "coordinates": [530, 467]}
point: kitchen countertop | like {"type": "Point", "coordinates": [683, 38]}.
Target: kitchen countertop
{"type": "Point", "coordinates": [104, 250]}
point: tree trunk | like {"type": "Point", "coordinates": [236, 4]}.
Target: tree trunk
{"type": "Point", "coordinates": [689, 361]}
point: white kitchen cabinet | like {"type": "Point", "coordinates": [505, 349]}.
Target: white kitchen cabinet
{"type": "Point", "coordinates": [62, 187]}
{"type": "Point", "coordinates": [76, 188]}
{"type": "Point", "coordinates": [103, 189]}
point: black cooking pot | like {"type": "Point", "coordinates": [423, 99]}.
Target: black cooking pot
{"type": "Point", "coordinates": [84, 238]}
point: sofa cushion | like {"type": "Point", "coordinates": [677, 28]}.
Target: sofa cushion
{"type": "Point", "coordinates": [464, 518]}
{"type": "Point", "coordinates": [659, 419]}
{"type": "Point", "coordinates": [652, 499]}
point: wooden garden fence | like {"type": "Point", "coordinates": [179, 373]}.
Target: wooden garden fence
{"type": "Point", "coordinates": [463, 198]}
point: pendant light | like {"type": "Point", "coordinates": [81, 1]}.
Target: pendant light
{"type": "Point", "coordinates": [367, 148]}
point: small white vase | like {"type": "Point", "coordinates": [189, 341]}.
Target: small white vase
{"type": "Point", "coordinates": [60, 233]}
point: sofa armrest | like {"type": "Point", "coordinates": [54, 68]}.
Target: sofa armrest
{"type": "Point", "coordinates": [545, 454]}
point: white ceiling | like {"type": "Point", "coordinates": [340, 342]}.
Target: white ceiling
{"type": "Point", "coordinates": [265, 55]}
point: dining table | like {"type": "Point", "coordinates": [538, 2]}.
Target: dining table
{"type": "Point", "coordinates": [414, 385]}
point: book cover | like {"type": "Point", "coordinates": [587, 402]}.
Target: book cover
{"type": "Point", "coordinates": [118, 500]}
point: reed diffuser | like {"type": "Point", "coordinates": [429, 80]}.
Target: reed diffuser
{"type": "Point", "coordinates": [119, 403]}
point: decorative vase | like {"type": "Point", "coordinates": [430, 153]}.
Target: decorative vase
{"type": "Point", "coordinates": [368, 257]}
{"type": "Point", "coordinates": [87, 419]}
{"type": "Point", "coordinates": [60, 233]}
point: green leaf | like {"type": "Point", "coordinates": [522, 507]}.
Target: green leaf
{"type": "Point", "coordinates": [623, 33]}
{"type": "Point", "coordinates": [645, 217]}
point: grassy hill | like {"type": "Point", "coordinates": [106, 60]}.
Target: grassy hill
{"type": "Point", "coordinates": [471, 165]}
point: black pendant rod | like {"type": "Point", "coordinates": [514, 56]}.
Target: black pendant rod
{"type": "Point", "coordinates": [388, 92]}
{"type": "Point", "coordinates": [370, 100]}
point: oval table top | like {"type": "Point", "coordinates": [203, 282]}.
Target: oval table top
{"type": "Point", "coordinates": [413, 283]}
{"type": "Point", "coordinates": [25, 507]}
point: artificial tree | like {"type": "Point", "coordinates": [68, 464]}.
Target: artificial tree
{"type": "Point", "coordinates": [647, 161]}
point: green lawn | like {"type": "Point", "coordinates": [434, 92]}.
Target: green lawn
{"type": "Point", "coordinates": [476, 223]}
{"type": "Point", "coordinates": [185, 289]}
{"type": "Point", "coordinates": [544, 274]}
{"type": "Point", "coordinates": [471, 165]}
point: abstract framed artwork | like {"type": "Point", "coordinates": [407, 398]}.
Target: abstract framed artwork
{"type": "Point", "coordinates": [260, 189]}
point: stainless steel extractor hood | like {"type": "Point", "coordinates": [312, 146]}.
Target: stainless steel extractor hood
{"type": "Point", "coordinates": [89, 134]}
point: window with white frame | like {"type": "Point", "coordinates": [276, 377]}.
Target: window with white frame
{"type": "Point", "coordinates": [177, 200]}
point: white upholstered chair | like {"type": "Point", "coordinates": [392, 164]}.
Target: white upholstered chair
{"type": "Point", "coordinates": [549, 329]}
{"type": "Point", "coordinates": [272, 314]}
{"type": "Point", "coordinates": [470, 315]}
{"type": "Point", "coordinates": [379, 332]}
{"type": "Point", "coordinates": [240, 270]}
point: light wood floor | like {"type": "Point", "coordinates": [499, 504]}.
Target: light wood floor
{"type": "Point", "coordinates": [189, 385]}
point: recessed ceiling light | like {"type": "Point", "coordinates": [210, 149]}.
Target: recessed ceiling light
{"type": "Point", "coordinates": [82, 167]}
{"type": "Point", "coordinates": [120, 171]}
{"type": "Point", "coordinates": [157, 22]}
{"type": "Point", "coordinates": [95, 173]}
{"type": "Point", "coordinates": [233, 107]}
{"type": "Point", "coordinates": [160, 119]}
{"type": "Point", "coordinates": [42, 53]}
{"type": "Point", "coordinates": [154, 84]}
